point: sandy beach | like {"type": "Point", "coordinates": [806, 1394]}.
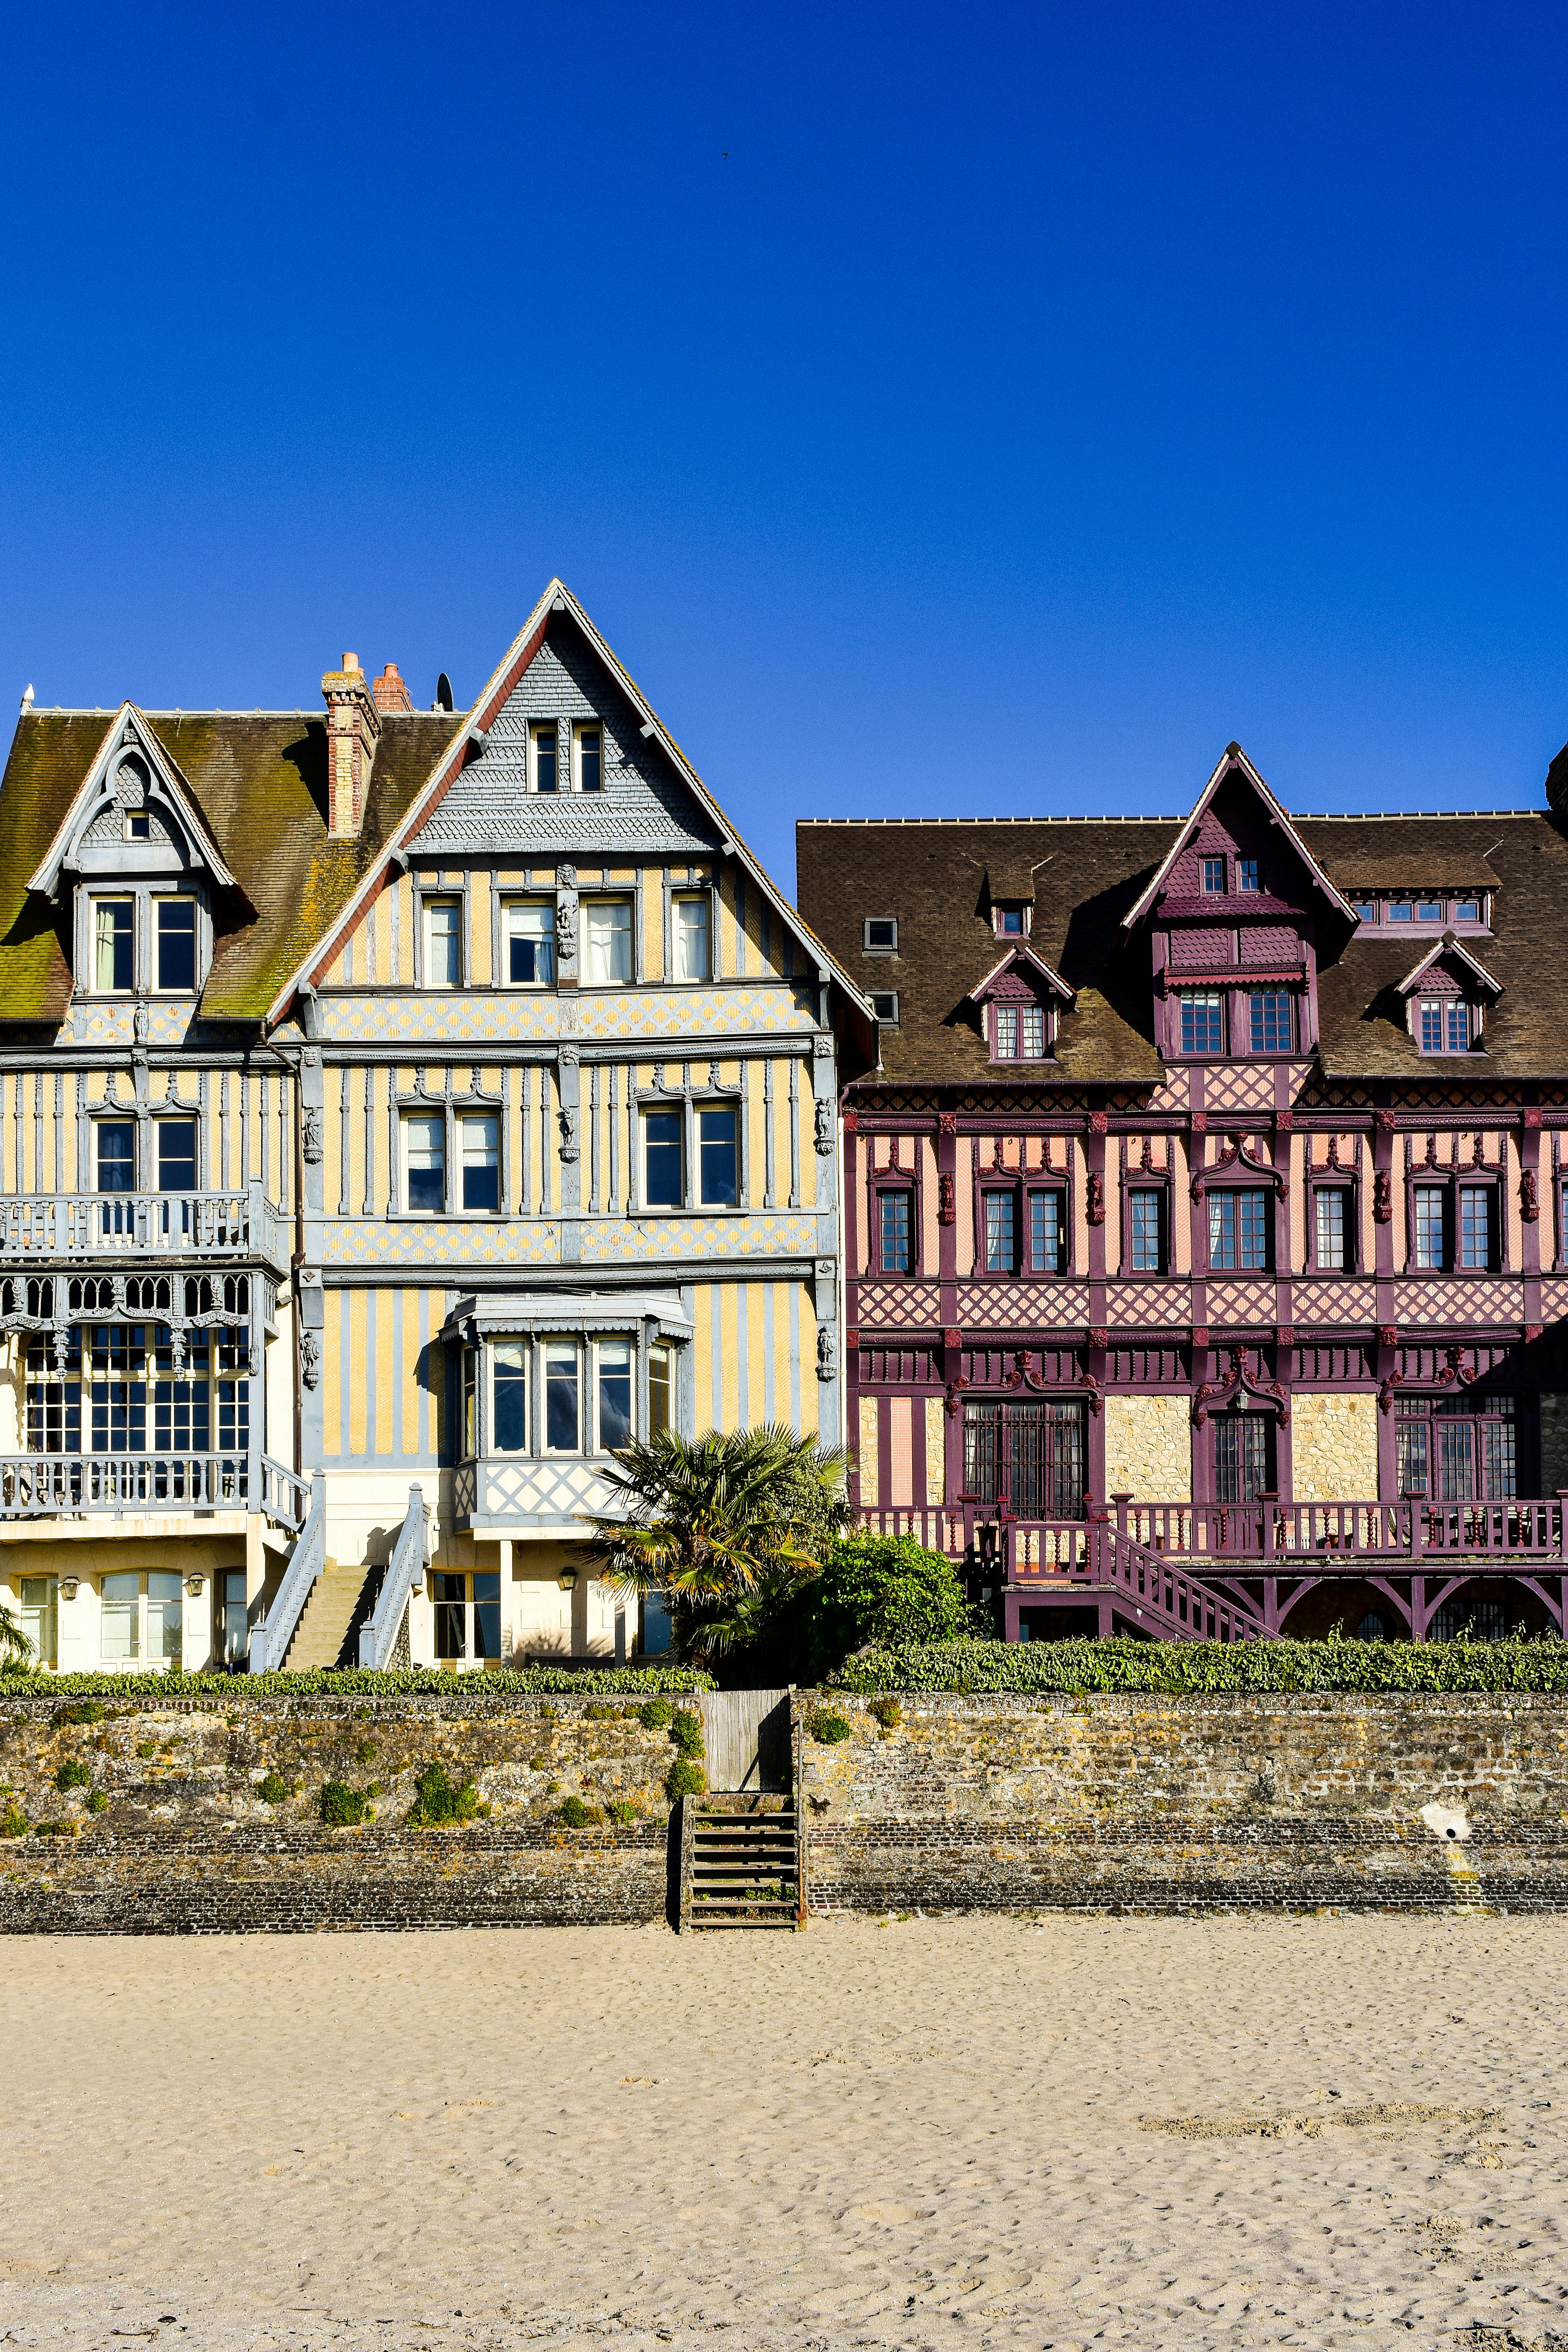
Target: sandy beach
{"type": "Point", "coordinates": [981, 2131]}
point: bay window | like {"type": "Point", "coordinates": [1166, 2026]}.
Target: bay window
{"type": "Point", "coordinates": [509, 1361]}
{"type": "Point", "coordinates": [614, 1366]}
{"type": "Point", "coordinates": [660, 1389]}
{"type": "Point", "coordinates": [561, 1397]}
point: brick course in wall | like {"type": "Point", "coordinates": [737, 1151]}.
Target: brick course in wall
{"type": "Point", "coordinates": [1233, 1801]}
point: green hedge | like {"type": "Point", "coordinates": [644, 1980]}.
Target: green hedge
{"type": "Point", "coordinates": [1177, 1666]}
{"type": "Point", "coordinates": [421, 1682]}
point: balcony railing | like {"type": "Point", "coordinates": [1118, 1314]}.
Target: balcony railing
{"type": "Point", "coordinates": [51, 1228]}
{"type": "Point", "coordinates": [56, 1486]}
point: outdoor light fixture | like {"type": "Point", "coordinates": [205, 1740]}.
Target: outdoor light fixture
{"type": "Point", "coordinates": [68, 1587]}
{"type": "Point", "coordinates": [195, 1585]}
{"type": "Point", "coordinates": [567, 1580]}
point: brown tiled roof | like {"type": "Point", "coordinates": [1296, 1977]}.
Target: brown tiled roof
{"type": "Point", "coordinates": [1385, 867]}
{"type": "Point", "coordinates": [1089, 872]}
{"type": "Point", "coordinates": [261, 785]}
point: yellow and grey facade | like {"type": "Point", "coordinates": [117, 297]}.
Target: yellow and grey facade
{"type": "Point", "coordinates": [397, 1111]}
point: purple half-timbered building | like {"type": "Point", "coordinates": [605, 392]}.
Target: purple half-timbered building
{"type": "Point", "coordinates": [1206, 1247]}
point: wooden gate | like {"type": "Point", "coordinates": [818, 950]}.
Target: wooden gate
{"type": "Point", "coordinates": [747, 1738]}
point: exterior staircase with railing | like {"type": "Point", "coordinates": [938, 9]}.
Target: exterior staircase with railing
{"type": "Point", "coordinates": [740, 1863]}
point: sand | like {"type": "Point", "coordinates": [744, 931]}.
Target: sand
{"type": "Point", "coordinates": [966, 2131]}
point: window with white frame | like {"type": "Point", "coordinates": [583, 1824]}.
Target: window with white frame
{"type": "Point", "coordinates": [424, 1161]}
{"type": "Point", "coordinates": [562, 1397]}
{"type": "Point", "coordinates": [718, 1158]}
{"type": "Point", "coordinates": [608, 941]}
{"type": "Point", "coordinates": [528, 928]}
{"type": "Point", "coordinates": [588, 755]}
{"type": "Point", "coordinates": [715, 1180]}
{"type": "Point", "coordinates": [140, 1614]}
{"type": "Point", "coordinates": [174, 946]}
{"type": "Point", "coordinates": [1446, 1025]}
{"type": "Point", "coordinates": [586, 1399]}
{"type": "Point", "coordinates": [689, 929]}
{"type": "Point", "coordinates": [661, 1389]}
{"type": "Point", "coordinates": [176, 1154]}
{"type": "Point", "coordinates": [478, 1144]}
{"type": "Point", "coordinates": [442, 943]}
{"type": "Point", "coordinates": [664, 1160]}
{"type": "Point", "coordinates": [114, 1155]}
{"type": "Point", "coordinates": [114, 945]}
{"type": "Point", "coordinates": [467, 1612]}
{"type": "Point", "coordinates": [544, 756]}
{"type": "Point", "coordinates": [39, 1619]}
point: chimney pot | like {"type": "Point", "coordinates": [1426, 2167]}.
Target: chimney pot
{"type": "Point", "coordinates": [351, 661]}
{"type": "Point", "coordinates": [389, 691]}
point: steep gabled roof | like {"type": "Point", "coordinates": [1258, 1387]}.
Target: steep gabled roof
{"type": "Point", "coordinates": [1448, 949]}
{"type": "Point", "coordinates": [130, 732]}
{"type": "Point", "coordinates": [1235, 762]}
{"type": "Point", "coordinates": [556, 600]}
{"type": "Point", "coordinates": [1022, 954]}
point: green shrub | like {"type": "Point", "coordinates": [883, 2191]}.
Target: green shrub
{"type": "Point", "coordinates": [365, 1750]}
{"type": "Point", "coordinates": [343, 1808]}
{"type": "Point", "coordinates": [147, 1747]}
{"type": "Point", "coordinates": [684, 1779]}
{"type": "Point", "coordinates": [826, 1725]}
{"type": "Point", "coordinates": [600, 1714]}
{"type": "Point", "coordinates": [1177, 1667]}
{"type": "Point", "coordinates": [575, 1815]}
{"type": "Point", "coordinates": [889, 1714]}
{"type": "Point", "coordinates": [623, 1811]}
{"type": "Point", "coordinates": [88, 1712]}
{"type": "Point", "coordinates": [271, 1789]}
{"type": "Point", "coordinates": [372, 1789]}
{"type": "Point", "coordinates": [13, 1821]}
{"type": "Point", "coordinates": [55, 1829]}
{"type": "Point", "coordinates": [357, 1681]}
{"type": "Point", "coordinates": [439, 1801]}
{"type": "Point", "coordinates": [73, 1774]}
{"type": "Point", "coordinates": [880, 1589]}
{"type": "Point", "coordinates": [656, 1716]}
{"type": "Point", "coordinates": [686, 1731]}
{"type": "Point", "coordinates": [97, 1802]}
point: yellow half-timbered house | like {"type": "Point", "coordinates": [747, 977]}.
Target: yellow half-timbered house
{"type": "Point", "coordinates": [398, 1110]}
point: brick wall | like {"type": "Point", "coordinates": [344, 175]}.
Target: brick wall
{"type": "Point", "coordinates": [185, 1844]}
{"type": "Point", "coordinates": [1232, 1801]}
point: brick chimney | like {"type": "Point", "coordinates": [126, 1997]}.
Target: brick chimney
{"type": "Point", "coordinates": [353, 725]}
{"type": "Point", "coordinates": [389, 690]}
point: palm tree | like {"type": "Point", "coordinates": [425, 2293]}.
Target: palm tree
{"type": "Point", "coordinates": [728, 1526]}
{"type": "Point", "coordinates": [16, 1649]}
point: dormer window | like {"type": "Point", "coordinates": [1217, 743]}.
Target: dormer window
{"type": "Point", "coordinates": [1367, 909]}
{"type": "Point", "coordinates": [1214, 877]}
{"type": "Point", "coordinates": [175, 939]}
{"type": "Point", "coordinates": [1246, 873]}
{"type": "Point", "coordinates": [138, 826]}
{"type": "Point", "coordinates": [1018, 1033]}
{"type": "Point", "coordinates": [1469, 910]}
{"type": "Point", "coordinates": [114, 945]}
{"type": "Point", "coordinates": [881, 935]}
{"type": "Point", "coordinates": [1447, 1025]}
{"type": "Point", "coordinates": [1010, 922]}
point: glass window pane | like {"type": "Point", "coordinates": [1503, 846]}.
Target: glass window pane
{"type": "Point", "coordinates": [1242, 1448]}
{"type": "Point", "coordinates": [662, 1187]}
{"type": "Point", "coordinates": [425, 1160]}
{"type": "Point", "coordinates": [442, 943]}
{"type": "Point", "coordinates": [487, 1613]}
{"type": "Point", "coordinates": [121, 1617]}
{"type": "Point", "coordinates": [716, 1150]}
{"type": "Point", "coordinates": [1048, 1232]}
{"type": "Point", "coordinates": [37, 1615]}
{"type": "Point", "coordinates": [1332, 1226]}
{"type": "Point", "coordinates": [895, 1232]}
{"type": "Point", "coordinates": [560, 1396]}
{"type": "Point", "coordinates": [531, 943]}
{"type": "Point", "coordinates": [1467, 910]}
{"type": "Point", "coordinates": [1213, 876]}
{"type": "Point", "coordinates": [114, 943]}
{"type": "Point", "coordinates": [691, 938]}
{"type": "Point", "coordinates": [999, 1243]}
{"type": "Point", "coordinates": [1429, 1226]}
{"type": "Point", "coordinates": [116, 1140]}
{"type": "Point", "coordinates": [234, 1636]}
{"type": "Point", "coordinates": [176, 1155]}
{"type": "Point", "coordinates": [1475, 1225]}
{"type": "Point", "coordinates": [1272, 1030]}
{"type": "Point", "coordinates": [615, 1393]}
{"type": "Point", "coordinates": [1460, 1026]}
{"type": "Point", "coordinates": [450, 1591]}
{"type": "Point", "coordinates": [1246, 873]}
{"type": "Point", "coordinates": [1148, 1255]}
{"type": "Point", "coordinates": [176, 943]}
{"type": "Point", "coordinates": [480, 1140]}
{"type": "Point", "coordinates": [1400, 910]}
{"type": "Point", "coordinates": [1006, 1032]}
{"type": "Point", "coordinates": [1431, 1024]}
{"type": "Point", "coordinates": [608, 924]}
{"type": "Point", "coordinates": [545, 751]}
{"type": "Point", "coordinates": [1032, 1032]}
{"type": "Point", "coordinates": [1252, 1229]}
{"type": "Point", "coordinates": [163, 1607]}
{"type": "Point", "coordinates": [660, 1389]}
{"type": "Point", "coordinates": [1428, 910]}
{"type": "Point", "coordinates": [509, 1361]}
{"type": "Point", "coordinates": [1411, 1458]}
{"type": "Point", "coordinates": [590, 760]}
{"type": "Point", "coordinates": [1202, 1028]}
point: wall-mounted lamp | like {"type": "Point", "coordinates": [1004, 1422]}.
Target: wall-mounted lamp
{"type": "Point", "coordinates": [195, 1585]}
{"type": "Point", "coordinates": [567, 1580]}
{"type": "Point", "coordinates": [68, 1585]}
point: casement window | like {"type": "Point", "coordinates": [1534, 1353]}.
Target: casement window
{"type": "Point", "coordinates": [114, 945]}
{"type": "Point", "coordinates": [544, 756]}
{"type": "Point", "coordinates": [140, 1613]}
{"type": "Point", "coordinates": [588, 756]}
{"type": "Point", "coordinates": [529, 926]}
{"type": "Point", "coordinates": [1246, 873]}
{"type": "Point", "coordinates": [660, 1389]}
{"type": "Point", "coordinates": [1272, 1016]}
{"type": "Point", "coordinates": [509, 1373]}
{"type": "Point", "coordinates": [1239, 1232]}
{"type": "Point", "coordinates": [1146, 1234]}
{"type": "Point", "coordinates": [1476, 1227]}
{"type": "Point", "coordinates": [879, 935]}
{"type": "Point", "coordinates": [895, 1221]}
{"type": "Point", "coordinates": [718, 1159]}
{"type": "Point", "coordinates": [176, 1154]}
{"type": "Point", "coordinates": [1469, 911]}
{"type": "Point", "coordinates": [614, 1364]}
{"type": "Point", "coordinates": [1243, 1457]}
{"type": "Point", "coordinates": [442, 943]}
{"type": "Point", "coordinates": [562, 1391]}
{"type": "Point", "coordinates": [479, 1140]}
{"type": "Point", "coordinates": [1214, 877]}
{"type": "Point", "coordinates": [1033, 1455]}
{"type": "Point", "coordinates": [716, 1141]}
{"type": "Point", "coordinates": [1047, 1230]}
{"type": "Point", "coordinates": [114, 1154]}
{"type": "Point", "coordinates": [424, 1163]}
{"type": "Point", "coordinates": [1332, 1233]}
{"type": "Point", "coordinates": [664, 1172]}
{"type": "Point", "coordinates": [688, 938]}
{"type": "Point", "coordinates": [1365, 910]}
{"type": "Point", "coordinates": [1201, 1021]}
{"type": "Point", "coordinates": [1456, 1449]}
{"type": "Point", "coordinates": [607, 941]}
{"type": "Point", "coordinates": [1431, 1221]}
{"type": "Point", "coordinates": [1446, 1025]}
{"type": "Point", "coordinates": [174, 946]}
{"type": "Point", "coordinates": [584, 1401]}
{"type": "Point", "coordinates": [467, 1612]}
{"type": "Point", "coordinates": [40, 1618]}
{"type": "Point", "coordinates": [999, 1227]}
{"type": "Point", "coordinates": [1018, 1033]}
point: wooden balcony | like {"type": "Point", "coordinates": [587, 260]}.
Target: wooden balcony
{"type": "Point", "coordinates": [55, 1229]}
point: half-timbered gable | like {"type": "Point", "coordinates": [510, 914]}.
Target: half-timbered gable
{"type": "Point", "coordinates": [1256, 1226]}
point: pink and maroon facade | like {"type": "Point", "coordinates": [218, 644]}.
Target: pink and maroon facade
{"type": "Point", "coordinates": [1206, 1254]}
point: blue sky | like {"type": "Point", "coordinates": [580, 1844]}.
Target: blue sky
{"type": "Point", "coordinates": [941, 412]}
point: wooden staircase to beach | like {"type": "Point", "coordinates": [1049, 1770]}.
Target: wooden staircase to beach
{"type": "Point", "coordinates": [740, 1863]}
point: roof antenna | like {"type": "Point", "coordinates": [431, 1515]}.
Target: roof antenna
{"type": "Point", "coordinates": [27, 700]}
{"type": "Point", "coordinates": [443, 693]}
